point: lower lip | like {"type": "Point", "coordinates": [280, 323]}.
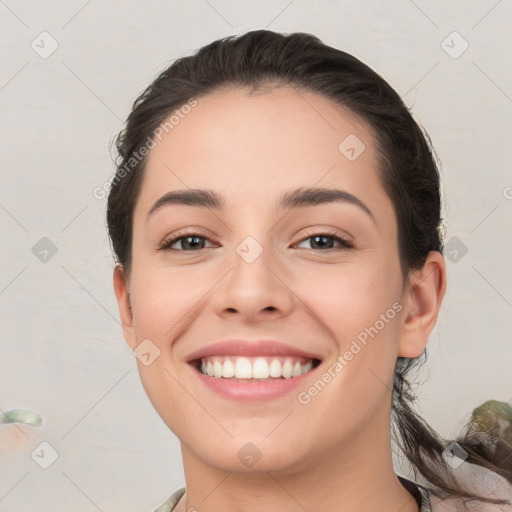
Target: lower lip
{"type": "Point", "coordinates": [253, 389]}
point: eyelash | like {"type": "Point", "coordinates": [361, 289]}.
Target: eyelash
{"type": "Point", "coordinates": [166, 244]}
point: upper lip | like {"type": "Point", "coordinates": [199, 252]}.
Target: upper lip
{"type": "Point", "coordinates": [250, 349]}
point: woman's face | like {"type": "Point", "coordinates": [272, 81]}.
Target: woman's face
{"type": "Point", "coordinates": [262, 270]}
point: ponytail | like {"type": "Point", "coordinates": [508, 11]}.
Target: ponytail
{"type": "Point", "coordinates": [486, 440]}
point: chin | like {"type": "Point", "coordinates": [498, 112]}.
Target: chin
{"type": "Point", "coordinates": [248, 455]}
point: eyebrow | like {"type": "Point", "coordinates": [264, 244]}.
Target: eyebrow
{"type": "Point", "coordinates": [300, 198]}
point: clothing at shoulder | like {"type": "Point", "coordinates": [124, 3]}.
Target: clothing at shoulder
{"type": "Point", "coordinates": [172, 501]}
{"type": "Point", "coordinates": [418, 491]}
{"type": "Point", "coordinates": [479, 479]}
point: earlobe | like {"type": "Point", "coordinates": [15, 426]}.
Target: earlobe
{"type": "Point", "coordinates": [124, 305]}
{"type": "Point", "coordinates": [422, 301]}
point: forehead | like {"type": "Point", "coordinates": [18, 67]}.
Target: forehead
{"type": "Point", "coordinates": [256, 146]}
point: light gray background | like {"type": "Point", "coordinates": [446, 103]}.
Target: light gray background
{"type": "Point", "coordinates": [63, 354]}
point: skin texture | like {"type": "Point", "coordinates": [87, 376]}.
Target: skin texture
{"type": "Point", "coordinates": [334, 452]}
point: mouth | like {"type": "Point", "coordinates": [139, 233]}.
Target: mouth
{"type": "Point", "coordinates": [256, 369]}
{"type": "Point", "coordinates": [250, 371]}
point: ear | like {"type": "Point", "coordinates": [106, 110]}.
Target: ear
{"type": "Point", "coordinates": [422, 300]}
{"type": "Point", "coordinates": [125, 309]}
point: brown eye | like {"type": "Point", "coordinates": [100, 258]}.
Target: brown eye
{"type": "Point", "coordinates": [326, 241]}
{"type": "Point", "coordinates": [187, 243]}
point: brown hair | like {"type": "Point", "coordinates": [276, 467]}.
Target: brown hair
{"type": "Point", "coordinates": [408, 171]}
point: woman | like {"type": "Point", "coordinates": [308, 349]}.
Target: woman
{"type": "Point", "coordinates": [276, 221]}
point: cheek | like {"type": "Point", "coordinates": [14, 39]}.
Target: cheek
{"type": "Point", "coordinates": [358, 308]}
{"type": "Point", "coordinates": [347, 299]}
{"type": "Point", "coordinates": [164, 298]}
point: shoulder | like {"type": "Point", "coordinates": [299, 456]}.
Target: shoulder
{"type": "Point", "coordinates": [420, 492]}
{"type": "Point", "coordinates": [171, 502]}
{"type": "Point", "coordinates": [473, 478]}
{"type": "Point", "coordinates": [476, 478]}
{"type": "Point", "coordinates": [481, 481]}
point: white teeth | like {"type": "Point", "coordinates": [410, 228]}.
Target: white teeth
{"type": "Point", "coordinates": [217, 369]}
{"type": "Point", "coordinates": [228, 370]}
{"type": "Point", "coordinates": [260, 369]}
{"type": "Point", "coordinates": [228, 367]}
{"type": "Point", "coordinates": [306, 367]}
{"type": "Point", "coordinates": [287, 369]}
{"type": "Point", "coordinates": [275, 368]}
{"type": "Point", "coordinates": [243, 368]}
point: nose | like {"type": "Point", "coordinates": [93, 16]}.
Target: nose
{"type": "Point", "coordinates": [256, 288]}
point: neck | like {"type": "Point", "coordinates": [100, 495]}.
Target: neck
{"type": "Point", "coordinates": [356, 476]}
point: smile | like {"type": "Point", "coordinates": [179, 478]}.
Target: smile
{"type": "Point", "coordinates": [255, 368]}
